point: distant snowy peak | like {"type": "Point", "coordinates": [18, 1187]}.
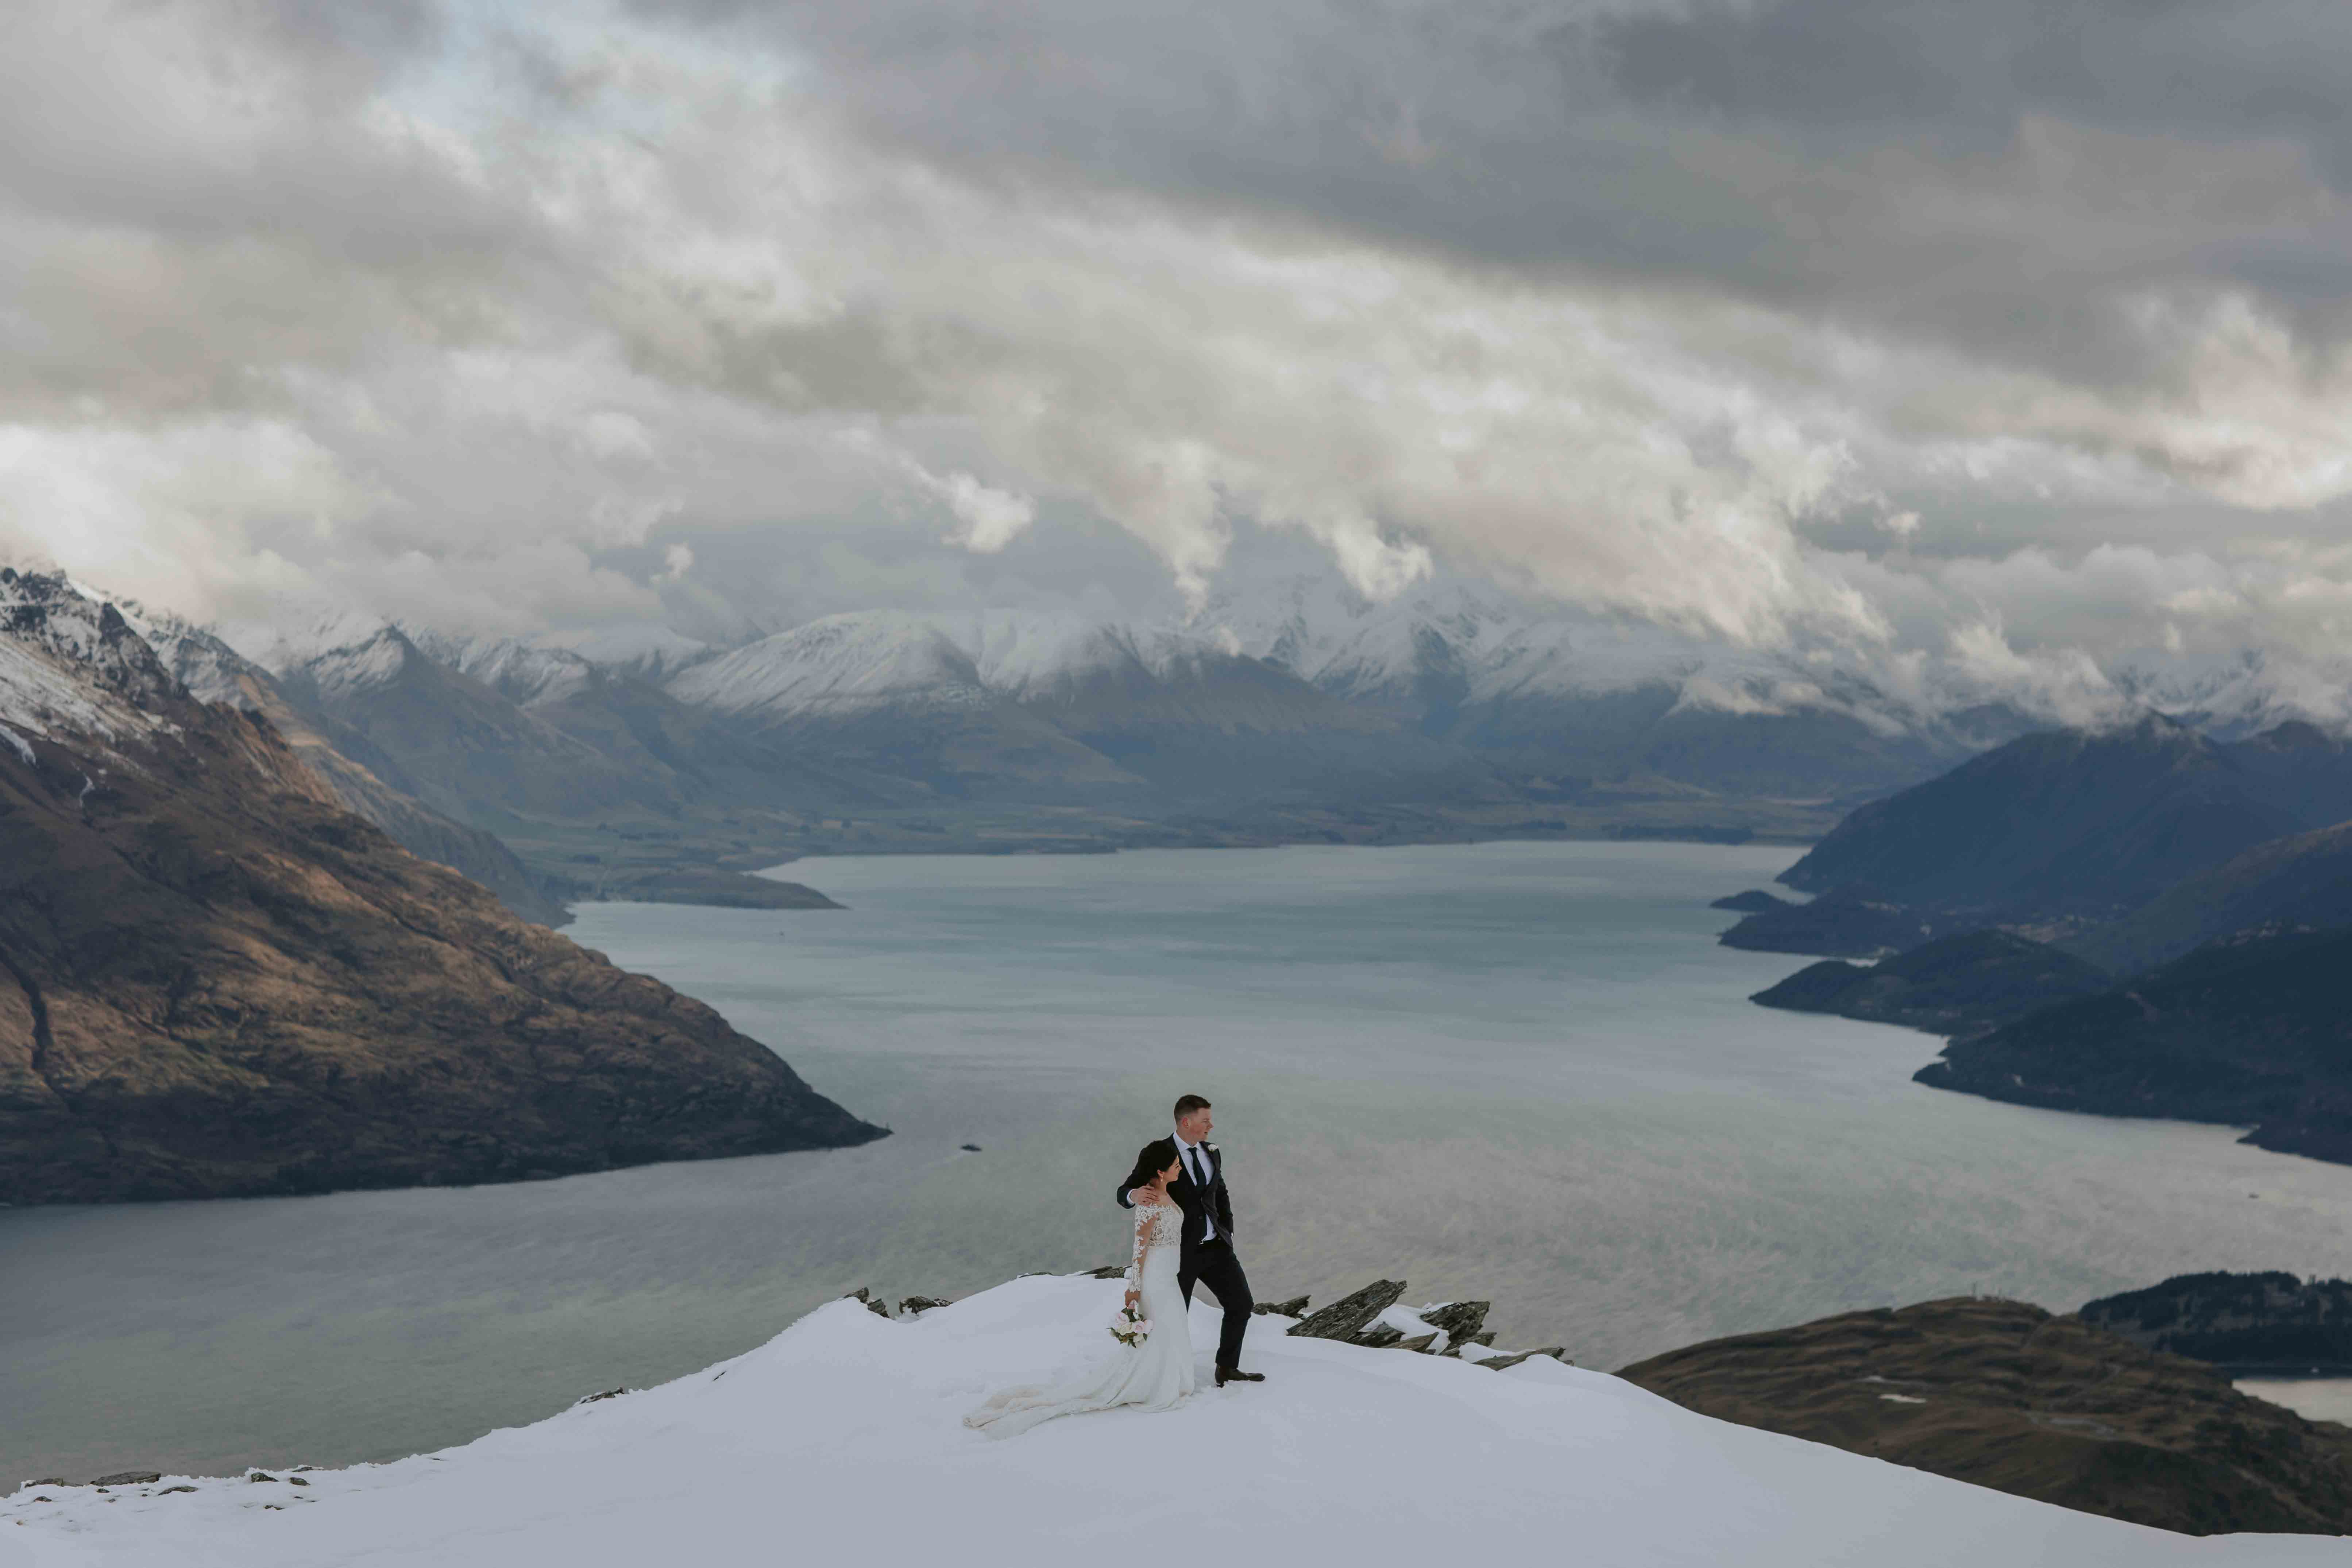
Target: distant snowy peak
{"type": "Point", "coordinates": [209, 668]}
{"type": "Point", "coordinates": [837, 666]}
{"type": "Point", "coordinates": [643, 648]}
{"type": "Point", "coordinates": [285, 645]}
{"type": "Point", "coordinates": [526, 674]}
{"type": "Point", "coordinates": [1033, 657]}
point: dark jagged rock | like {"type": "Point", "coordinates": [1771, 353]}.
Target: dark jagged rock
{"type": "Point", "coordinates": [864, 1295]}
{"type": "Point", "coordinates": [913, 1304]}
{"type": "Point", "coordinates": [2244, 1324]}
{"type": "Point", "coordinates": [1109, 1271]}
{"type": "Point", "coordinates": [2003, 1395]}
{"type": "Point", "coordinates": [1503, 1362]}
{"type": "Point", "coordinates": [214, 981]}
{"type": "Point", "coordinates": [1458, 1320]}
{"type": "Point", "coordinates": [2251, 1031]}
{"type": "Point", "coordinates": [1755, 901]}
{"type": "Point", "coordinates": [128, 1478]}
{"type": "Point", "coordinates": [1344, 1318]}
{"type": "Point", "coordinates": [1953, 986]}
{"type": "Point", "coordinates": [1419, 1344]}
{"type": "Point", "coordinates": [1842, 923]}
{"type": "Point", "coordinates": [1294, 1307]}
{"type": "Point", "coordinates": [597, 1398]}
{"type": "Point", "coordinates": [1378, 1336]}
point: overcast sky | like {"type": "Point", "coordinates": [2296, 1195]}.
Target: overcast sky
{"type": "Point", "coordinates": [2012, 331]}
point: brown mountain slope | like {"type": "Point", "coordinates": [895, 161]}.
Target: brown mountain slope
{"type": "Point", "coordinates": [215, 981]}
{"type": "Point", "coordinates": [2006, 1395]}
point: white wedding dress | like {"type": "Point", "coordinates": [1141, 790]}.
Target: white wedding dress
{"type": "Point", "coordinates": [1153, 1375]}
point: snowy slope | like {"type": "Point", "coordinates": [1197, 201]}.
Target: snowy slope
{"type": "Point", "coordinates": [641, 648]}
{"type": "Point", "coordinates": [71, 666]}
{"type": "Point", "coordinates": [839, 665]}
{"type": "Point", "coordinates": [840, 1441]}
{"type": "Point", "coordinates": [523, 673]}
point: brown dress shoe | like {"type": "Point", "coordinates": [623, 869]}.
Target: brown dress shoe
{"type": "Point", "coordinates": [1226, 1374]}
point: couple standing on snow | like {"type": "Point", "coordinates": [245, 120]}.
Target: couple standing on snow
{"type": "Point", "coordinates": [1183, 1236]}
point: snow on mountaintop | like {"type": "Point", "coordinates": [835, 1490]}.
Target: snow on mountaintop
{"type": "Point", "coordinates": [841, 1440]}
{"type": "Point", "coordinates": [279, 647]}
{"type": "Point", "coordinates": [841, 663]}
{"type": "Point", "coordinates": [1027, 653]}
{"type": "Point", "coordinates": [66, 672]}
{"type": "Point", "coordinates": [524, 673]}
{"type": "Point", "coordinates": [640, 648]}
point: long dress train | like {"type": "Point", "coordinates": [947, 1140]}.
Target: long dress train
{"type": "Point", "coordinates": [1153, 1375]}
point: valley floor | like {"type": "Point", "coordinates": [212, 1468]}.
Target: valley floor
{"type": "Point", "coordinates": [841, 1440]}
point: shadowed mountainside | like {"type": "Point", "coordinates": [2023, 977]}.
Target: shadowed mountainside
{"type": "Point", "coordinates": [1953, 986]}
{"type": "Point", "coordinates": [2302, 881]}
{"type": "Point", "coordinates": [2251, 1030]}
{"type": "Point", "coordinates": [2247, 1323]}
{"type": "Point", "coordinates": [215, 980]}
{"type": "Point", "coordinates": [2006, 1395]}
{"type": "Point", "coordinates": [2080, 826]}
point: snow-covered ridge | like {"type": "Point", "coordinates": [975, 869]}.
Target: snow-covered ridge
{"type": "Point", "coordinates": [72, 666]}
{"type": "Point", "coordinates": [841, 1440]}
{"type": "Point", "coordinates": [1455, 643]}
{"type": "Point", "coordinates": [840, 664]}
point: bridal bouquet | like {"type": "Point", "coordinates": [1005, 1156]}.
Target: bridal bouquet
{"type": "Point", "coordinates": [1130, 1328]}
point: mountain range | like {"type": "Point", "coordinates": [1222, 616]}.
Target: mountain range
{"type": "Point", "coordinates": [636, 761]}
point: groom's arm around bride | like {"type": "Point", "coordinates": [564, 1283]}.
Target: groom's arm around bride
{"type": "Point", "coordinates": [1208, 1256]}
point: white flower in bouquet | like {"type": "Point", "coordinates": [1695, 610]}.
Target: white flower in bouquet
{"type": "Point", "coordinates": [1130, 1328]}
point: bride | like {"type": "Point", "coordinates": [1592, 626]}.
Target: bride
{"type": "Point", "coordinates": [1153, 1375]}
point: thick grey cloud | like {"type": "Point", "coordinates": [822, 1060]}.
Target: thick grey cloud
{"type": "Point", "coordinates": [1999, 334]}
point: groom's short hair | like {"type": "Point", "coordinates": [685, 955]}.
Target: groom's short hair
{"type": "Point", "coordinates": [1189, 1104]}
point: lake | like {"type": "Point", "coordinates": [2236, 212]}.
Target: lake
{"type": "Point", "coordinates": [1516, 1071]}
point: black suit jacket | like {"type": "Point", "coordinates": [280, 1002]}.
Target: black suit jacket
{"type": "Point", "coordinates": [1197, 1203]}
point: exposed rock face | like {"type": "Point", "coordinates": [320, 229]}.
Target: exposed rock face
{"type": "Point", "coordinates": [1954, 985]}
{"type": "Point", "coordinates": [2243, 1322]}
{"type": "Point", "coordinates": [2250, 1030]}
{"type": "Point", "coordinates": [215, 981]}
{"type": "Point", "coordinates": [1346, 1318]}
{"type": "Point", "coordinates": [2006, 1395]}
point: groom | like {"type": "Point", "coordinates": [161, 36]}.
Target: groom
{"type": "Point", "coordinates": [1208, 1254]}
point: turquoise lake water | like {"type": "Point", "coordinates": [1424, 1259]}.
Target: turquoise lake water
{"type": "Point", "coordinates": [1516, 1071]}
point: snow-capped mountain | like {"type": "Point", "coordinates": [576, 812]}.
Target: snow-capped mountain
{"type": "Point", "coordinates": [71, 666]}
{"type": "Point", "coordinates": [644, 649]}
{"type": "Point", "coordinates": [1549, 694]}
{"type": "Point", "coordinates": [839, 666]}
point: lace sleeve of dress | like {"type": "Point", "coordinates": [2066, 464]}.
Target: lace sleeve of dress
{"type": "Point", "coordinates": [1146, 1215]}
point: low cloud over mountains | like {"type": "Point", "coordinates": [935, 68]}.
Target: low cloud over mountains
{"type": "Point", "coordinates": [2014, 346]}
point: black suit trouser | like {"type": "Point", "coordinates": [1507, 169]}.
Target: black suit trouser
{"type": "Point", "coordinates": [1213, 1263]}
